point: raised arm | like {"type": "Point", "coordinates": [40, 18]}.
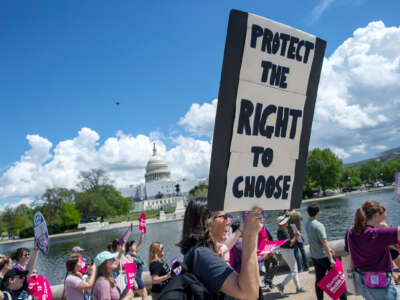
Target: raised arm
{"type": "Point", "coordinates": [33, 260]}
{"type": "Point", "coordinates": [140, 243]}
{"type": "Point", "coordinates": [88, 285]}
{"type": "Point", "coordinates": [246, 284]}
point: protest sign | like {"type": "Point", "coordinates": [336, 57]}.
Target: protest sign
{"type": "Point", "coordinates": [126, 235]}
{"type": "Point", "coordinates": [271, 246]}
{"type": "Point", "coordinates": [142, 223]}
{"type": "Point", "coordinates": [176, 270]}
{"type": "Point", "coordinates": [130, 271]}
{"type": "Point", "coordinates": [40, 232]}
{"type": "Point", "coordinates": [333, 283]}
{"type": "Point", "coordinates": [266, 100]}
{"type": "Point", "coordinates": [39, 288]}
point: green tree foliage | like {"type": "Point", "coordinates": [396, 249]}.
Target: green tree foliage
{"type": "Point", "coordinates": [371, 171]}
{"type": "Point", "coordinates": [199, 191]}
{"type": "Point", "coordinates": [51, 202]}
{"type": "Point", "coordinates": [324, 168]}
{"type": "Point", "coordinates": [351, 177]}
{"type": "Point", "coordinates": [98, 197]}
{"type": "Point", "coordinates": [69, 214]}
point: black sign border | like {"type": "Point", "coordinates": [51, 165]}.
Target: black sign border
{"type": "Point", "coordinates": [225, 116]}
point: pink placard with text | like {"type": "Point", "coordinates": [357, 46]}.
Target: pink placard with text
{"type": "Point", "coordinates": [271, 246]}
{"type": "Point", "coordinates": [130, 271]}
{"type": "Point", "coordinates": [334, 283]}
{"type": "Point", "coordinates": [142, 223]}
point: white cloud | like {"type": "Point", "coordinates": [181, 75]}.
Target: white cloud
{"type": "Point", "coordinates": [199, 120]}
{"type": "Point", "coordinates": [319, 9]}
{"type": "Point", "coordinates": [123, 157]}
{"type": "Point", "coordinates": [26, 201]}
{"type": "Point", "coordinates": [359, 95]}
{"type": "Point", "coordinates": [340, 152]}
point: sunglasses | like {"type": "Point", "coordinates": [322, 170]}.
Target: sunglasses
{"type": "Point", "coordinates": [26, 255]}
{"type": "Point", "coordinates": [21, 276]}
{"type": "Point", "coordinates": [225, 217]}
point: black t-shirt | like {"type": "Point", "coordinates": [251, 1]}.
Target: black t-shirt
{"type": "Point", "coordinates": [17, 295]}
{"type": "Point", "coordinates": [159, 268]}
{"type": "Point", "coordinates": [283, 234]}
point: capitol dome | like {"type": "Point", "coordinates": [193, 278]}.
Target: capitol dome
{"type": "Point", "coordinates": [156, 169]}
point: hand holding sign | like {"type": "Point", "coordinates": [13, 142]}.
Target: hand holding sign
{"type": "Point", "coordinates": [142, 223]}
{"type": "Point", "coordinates": [334, 283]}
{"type": "Point", "coordinates": [271, 246]}
{"type": "Point", "coordinates": [130, 271]}
{"type": "Point", "coordinates": [126, 235]}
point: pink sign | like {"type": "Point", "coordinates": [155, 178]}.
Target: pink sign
{"type": "Point", "coordinates": [130, 270]}
{"type": "Point", "coordinates": [39, 287]}
{"type": "Point", "coordinates": [271, 246]}
{"type": "Point", "coordinates": [334, 283]}
{"type": "Point", "coordinates": [142, 222]}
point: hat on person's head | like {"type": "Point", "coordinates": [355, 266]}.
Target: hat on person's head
{"type": "Point", "coordinates": [103, 256]}
{"type": "Point", "coordinates": [77, 249]}
{"type": "Point", "coordinates": [282, 220]}
{"type": "Point", "coordinates": [14, 272]}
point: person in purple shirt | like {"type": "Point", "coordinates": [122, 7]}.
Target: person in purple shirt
{"type": "Point", "coordinates": [368, 245]}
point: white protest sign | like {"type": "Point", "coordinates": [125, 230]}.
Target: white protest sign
{"type": "Point", "coordinates": [266, 102]}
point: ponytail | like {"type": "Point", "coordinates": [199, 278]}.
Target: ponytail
{"type": "Point", "coordinates": [365, 213]}
{"type": "Point", "coordinates": [360, 221]}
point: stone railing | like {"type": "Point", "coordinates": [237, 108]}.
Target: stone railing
{"type": "Point", "coordinates": [337, 246]}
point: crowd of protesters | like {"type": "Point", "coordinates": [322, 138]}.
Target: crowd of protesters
{"type": "Point", "coordinates": [224, 256]}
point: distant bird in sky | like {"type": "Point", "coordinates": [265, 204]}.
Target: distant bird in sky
{"type": "Point", "coordinates": [118, 103]}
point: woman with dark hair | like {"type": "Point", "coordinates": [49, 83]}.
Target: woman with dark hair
{"type": "Point", "coordinates": [131, 250]}
{"type": "Point", "coordinates": [74, 284]}
{"type": "Point", "coordinates": [5, 265]}
{"type": "Point", "coordinates": [368, 245]}
{"type": "Point", "coordinates": [105, 287]}
{"type": "Point", "coordinates": [21, 257]}
{"type": "Point", "coordinates": [201, 231]}
{"type": "Point", "coordinates": [159, 270]}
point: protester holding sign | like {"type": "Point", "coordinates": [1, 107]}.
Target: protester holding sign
{"type": "Point", "coordinates": [159, 270]}
{"type": "Point", "coordinates": [131, 250]}
{"type": "Point", "coordinates": [21, 256]}
{"type": "Point", "coordinates": [369, 247]}
{"type": "Point", "coordinates": [288, 254]}
{"type": "Point", "coordinates": [74, 284]}
{"type": "Point", "coordinates": [200, 232]}
{"type": "Point", "coordinates": [271, 263]}
{"type": "Point", "coordinates": [321, 255]}
{"type": "Point", "coordinates": [77, 251]}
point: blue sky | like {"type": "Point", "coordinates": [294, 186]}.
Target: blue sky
{"type": "Point", "coordinates": [64, 64]}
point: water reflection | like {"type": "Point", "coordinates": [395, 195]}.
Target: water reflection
{"type": "Point", "coordinates": [337, 215]}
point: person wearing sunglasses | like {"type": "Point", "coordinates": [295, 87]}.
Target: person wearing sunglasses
{"type": "Point", "coordinates": [15, 284]}
{"type": "Point", "coordinates": [201, 231]}
{"type": "Point", "coordinates": [23, 260]}
{"type": "Point", "coordinates": [159, 270]}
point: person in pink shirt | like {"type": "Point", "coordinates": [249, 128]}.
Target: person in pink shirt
{"type": "Point", "coordinates": [105, 287]}
{"type": "Point", "coordinates": [77, 251]}
{"type": "Point", "coordinates": [75, 285]}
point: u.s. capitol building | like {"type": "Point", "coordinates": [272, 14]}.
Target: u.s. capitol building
{"type": "Point", "coordinates": [158, 191]}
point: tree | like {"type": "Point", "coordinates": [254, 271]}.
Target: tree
{"type": "Point", "coordinates": [371, 171]}
{"type": "Point", "coordinates": [69, 214]}
{"type": "Point", "coordinates": [351, 177]}
{"type": "Point", "coordinates": [199, 191]}
{"type": "Point", "coordinates": [51, 202]}
{"type": "Point", "coordinates": [324, 168]}
{"type": "Point", "coordinates": [105, 201]}
{"type": "Point", "coordinates": [92, 180]}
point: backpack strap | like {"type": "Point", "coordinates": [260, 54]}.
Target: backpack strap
{"type": "Point", "coordinates": [8, 295]}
